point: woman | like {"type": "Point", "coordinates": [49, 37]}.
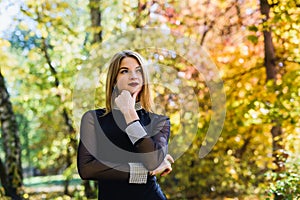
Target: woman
{"type": "Point", "coordinates": [124, 146]}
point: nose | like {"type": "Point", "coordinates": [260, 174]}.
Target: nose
{"type": "Point", "coordinates": [133, 75]}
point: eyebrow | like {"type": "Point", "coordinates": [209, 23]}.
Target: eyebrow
{"type": "Point", "coordinates": [127, 67]}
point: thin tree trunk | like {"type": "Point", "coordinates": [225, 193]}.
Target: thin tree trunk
{"type": "Point", "coordinates": [271, 72]}
{"type": "Point", "coordinates": [3, 176]}
{"type": "Point", "coordinates": [68, 122]}
{"type": "Point", "coordinates": [268, 43]}
{"type": "Point", "coordinates": [142, 5]}
{"type": "Point", "coordinates": [95, 14]}
{"type": "Point", "coordinates": [12, 177]}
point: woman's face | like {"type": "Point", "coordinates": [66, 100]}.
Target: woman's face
{"type": "Point", "coordinates": [130, 75]}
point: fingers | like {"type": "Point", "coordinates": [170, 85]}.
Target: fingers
{"type": "Point", "coordinates": [169, 158]}
{"type": "Point", "coordinates": [124, 100]}
{"type": "Point", "coordinates": [166, 171]}
{"type": "Point", "coordinates": [134, 95]}
{"type": "Point", "coordinates": [125, 92]}
{"type": "Point", "coordinates": [165, 167]}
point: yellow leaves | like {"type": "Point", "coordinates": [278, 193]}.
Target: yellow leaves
{"type": "Point", "coordinates": [261, 162]}
{"type": "Point", "coordinates": [229, 152]}
{"type": "Point", "coordinates": [244, 50]}
{"type": "Point", "coordinates": [33, 56]}
{"type": "Point", "coordinates": [253, 117]}
{"type": "Point", "coordinates": [271, 98]}
{"type": "Point", "coordinates": [4, 43]}
{"type": "Point", "coordinates": [232, 172]}
{"type": "Point", "coordinates": [44, 33]}
{"type": "Point", "coordinates": [63, 5]}
{"type": "Point", "coordinates": [216, 160]}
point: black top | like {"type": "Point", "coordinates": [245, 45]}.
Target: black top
{"type": "Point", "coordinates": [105, 150]}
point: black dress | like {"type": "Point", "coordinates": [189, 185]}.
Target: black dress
{"type": "Point", "coordinates": [105, 151]}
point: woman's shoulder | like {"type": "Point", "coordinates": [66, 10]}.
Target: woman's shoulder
{"type": "Point", "coordinates": [158, 116]}
{"type": "Point", "coordinates": [98, 112]}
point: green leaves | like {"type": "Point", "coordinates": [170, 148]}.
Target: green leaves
{"type": "Point", "coordinates": [231, 32]}
{"type": "Point", "coordinates": [253, 38]}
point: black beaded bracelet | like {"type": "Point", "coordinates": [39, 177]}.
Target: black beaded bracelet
{"type": "Point", "coordinates": [133, 122]}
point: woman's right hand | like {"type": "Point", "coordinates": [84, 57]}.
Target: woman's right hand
{"type": "Point", "coordinates": [125, 101]}
{"type": "Point", "coordinates": [165, 167]}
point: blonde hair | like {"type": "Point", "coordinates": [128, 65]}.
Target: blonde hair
{"type": "Point", "coordinates": [144, 96]}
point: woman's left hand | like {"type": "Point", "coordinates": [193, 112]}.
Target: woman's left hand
{"type": "Point", "coordinates": [165, 167]}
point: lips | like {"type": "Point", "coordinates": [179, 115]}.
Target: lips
{"type": "Point", "coordinates": [133, 84]}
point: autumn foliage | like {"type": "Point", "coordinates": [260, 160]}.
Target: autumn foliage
{"type": "Point", "coordinates": [209, 72]}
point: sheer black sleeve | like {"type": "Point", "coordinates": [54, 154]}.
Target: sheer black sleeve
{"type": "Point", "coordinates": [153, 148]}
{"type": "Point", "coordinates": [89, 167]}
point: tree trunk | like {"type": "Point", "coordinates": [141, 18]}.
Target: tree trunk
{"type": "Point", "coordinates": [3, 176]}
{"type": "Point", "coordinates": [268, 43]}
{"type": "Point", "coordinates": [95, 14]}
{"type": "Point", "coordinates": [89, 190]}
{"type": "Point", "coordinates": [271, 72]}
{"type": "Point", "coordinates": [142, 5]}
{"type": "Point", "coordinates": [72, 145]}
{"type": "Point", "coordinates": [12, 177]}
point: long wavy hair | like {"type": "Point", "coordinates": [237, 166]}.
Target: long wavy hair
{"type": "Point", "coordinates": [111, 92]}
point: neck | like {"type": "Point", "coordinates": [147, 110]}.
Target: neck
{"type": "Point", "coordinates": [137, 106]}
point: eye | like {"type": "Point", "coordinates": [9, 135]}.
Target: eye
{"type": "Point", "coordinates": [139, 70]}
{"type": "Point", "coordinates": [123, 71]}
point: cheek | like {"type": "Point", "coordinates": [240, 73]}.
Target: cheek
{"type": "Point", "coordinates": [121, 82]}
{"type": "Point", "coordinates": [141, 78]}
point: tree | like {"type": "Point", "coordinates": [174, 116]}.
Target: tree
{"type": "Point", "coordinates": [275, 76]}
{"type": "Point", "coordinates": [237, 51]}
{"type": "Point", "coordinates": [53, 34]}
{"type": "Point", "coordinates": [95, 14]}
{"type": "Point", "coordinates": [96, 29]}
{"type": "Point", "coordinates": [11, 176]}
{"type": "Point", "coordinates": [271, 72]}
{"type": "Point", "coordinates": [261, 84]}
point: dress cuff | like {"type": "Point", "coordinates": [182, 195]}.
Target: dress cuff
{"type": "Point", "coordinates": [138, 173]}
{"type": "Point", "coordinates": [135, 131]}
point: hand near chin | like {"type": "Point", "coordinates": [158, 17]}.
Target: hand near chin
{"type": "Point", "coordinates": [125, 101]}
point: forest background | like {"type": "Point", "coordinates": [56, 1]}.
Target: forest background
{"type": "Point", "coordinates": [252, 133]}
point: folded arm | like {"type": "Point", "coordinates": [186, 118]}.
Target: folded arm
{"type": "Point", "coordinates": [92, 168]}
{"type": "Point", "coordinates": [150, 142]}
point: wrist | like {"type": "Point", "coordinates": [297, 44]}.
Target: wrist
{"type": "Point", "coordinates": [131, 116]}
{"type": "Point", "coordinates": [151, 173]}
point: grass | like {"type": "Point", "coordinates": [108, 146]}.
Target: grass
{"type": "Point", "coordinates": [50, 184]}
{"type": "Point", "coordinates": [38, 181]}
{"type": "Point", "coordinates": [50, 188]}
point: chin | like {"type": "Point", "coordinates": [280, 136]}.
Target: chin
{"type": "Point", "coordinates": [132, 91]}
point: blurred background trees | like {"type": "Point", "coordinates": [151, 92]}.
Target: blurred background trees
{"type": "Point", "coordinates": [255, 46]}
